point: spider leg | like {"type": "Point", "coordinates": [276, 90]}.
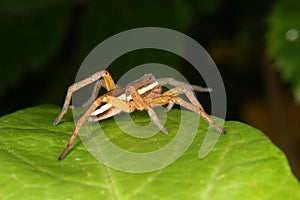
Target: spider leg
{"type": "Point", "coordinates": [175, 83]}
{"type": "Point", "coordinates": [142, 104]}
{"type": "Point", "coordinates": [79, 123]}
{"type": "Point", "coordinates": [180, 90]}
{"type": "Point", "coordinates": [161, 100]}
{"type": "Point", "coordinates": [95, 92]}
{"type": "Point", "coordinates": [107, 98]}
{"type": "Point", "coordinates": [181, 87]}
{"type": "Point", "coordinates": [169, 107]}
{"type": "Point", "coordinates": [109, 83]}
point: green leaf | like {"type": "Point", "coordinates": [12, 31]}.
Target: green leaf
{"type": "Point", "coordinates": [283, 39]}
{"type": "Point", "coordinates": [244, 164]}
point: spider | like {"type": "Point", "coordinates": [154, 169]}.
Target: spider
{"type": "Point", "coordinates": [142, 94]}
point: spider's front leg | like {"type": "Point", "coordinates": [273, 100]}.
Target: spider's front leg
{"type": "Point", "coordinates": [108, 81]}
{"type": "Point", "coordinates": [105, 99]}
{"type": "Point", "coordinates": [141, 104]}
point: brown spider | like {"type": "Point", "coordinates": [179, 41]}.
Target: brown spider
{"type": "Point", "coordinates": [142, 94]}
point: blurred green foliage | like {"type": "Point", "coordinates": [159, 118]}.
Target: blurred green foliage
{"type": "Point", "coordinates": [283, 40]}
{"type": "Point", "coordinates": [49, 39]}
{"type": "Point", "coordinates": [30, 35]}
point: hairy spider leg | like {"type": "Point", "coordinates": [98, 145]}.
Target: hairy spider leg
{"type": "Point", "coordinates": [165, 98]}
{"type": "Point", "coordinates": [98, 85]}
{"type": "Point", "coordinates": [109, 83]}
{"type": "Point", "coordinates": [141, 104]}
{"type": "Point", "coordinates": [107, 98]}
{"type": "Point", "coordinates": [181, 87]}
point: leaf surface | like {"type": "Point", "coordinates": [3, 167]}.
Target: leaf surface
{"type": "Point", "coordinates": [244, 164]}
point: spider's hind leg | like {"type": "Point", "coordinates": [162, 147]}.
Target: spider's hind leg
{"type": "Point", "coordinates": [198, 110]}
{"type": "Point", "coordinates": [182, 88]}
{"type": "Point", "coordinates": [171, 100]}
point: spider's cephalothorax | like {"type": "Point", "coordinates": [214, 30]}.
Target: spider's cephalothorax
{"type": "Point", "coordinates": [142, 94]}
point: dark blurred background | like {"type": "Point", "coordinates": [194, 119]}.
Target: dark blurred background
{"type": "Point", "coordinates": [255, 45]}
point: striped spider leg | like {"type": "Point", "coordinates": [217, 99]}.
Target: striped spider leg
{"type": "Point", "coordinates": [182, 87]}
{"type": "Point", "coordinates": [142, 94]}
{"type": "Point", "coordinates": [109, 85]}
{"type": "Point", "coordinates": [111, 103]}
{"type": "Point", "coordinates": [170, 97]}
